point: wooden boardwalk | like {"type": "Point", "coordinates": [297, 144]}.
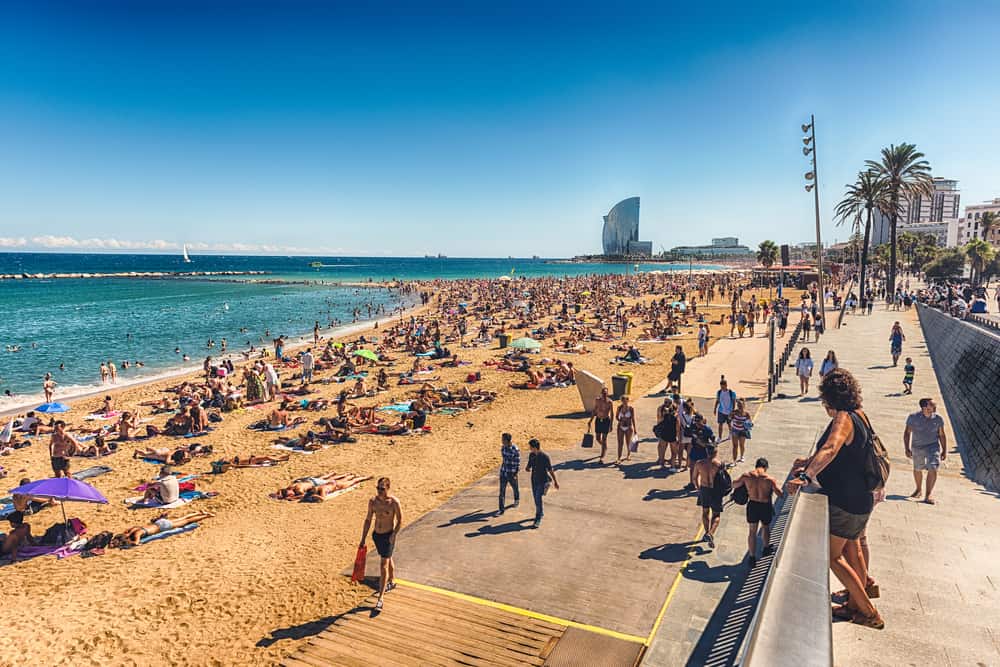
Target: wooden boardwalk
{"type": "Point", "coordinates": [418, 628]}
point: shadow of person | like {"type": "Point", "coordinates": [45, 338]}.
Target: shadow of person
{"type": "Point", "coordinates": [666, 494]}
{"type": "Point", "coordinates": [676, 552]}
{"type": "Point", "coordinates": [501, 528]}
{"type": "Point", "coordinates": [477, 516]}
{"type": "Point", "coordinates": [700, 571]}
{"type": "Point", "coordinates": [307, 629]}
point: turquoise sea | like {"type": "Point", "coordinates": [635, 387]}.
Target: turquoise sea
{"type": "Point", "coordinates": [81, 322]}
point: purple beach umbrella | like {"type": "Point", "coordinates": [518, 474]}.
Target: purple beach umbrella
{"type": "Point", "coordinates": [62, 489]}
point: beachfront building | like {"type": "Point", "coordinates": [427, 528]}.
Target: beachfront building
{"type": "Point", "coordinates": [728, 246]}
{"type": "Point", "coordinates": [621, 231]}
{"type": "Point", "coordinates": [969, 227]}
{"type": "Point", "coordinates": [937, 215]}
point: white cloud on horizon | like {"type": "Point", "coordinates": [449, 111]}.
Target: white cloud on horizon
{"type": "Point", "coordinates": [50, 242]}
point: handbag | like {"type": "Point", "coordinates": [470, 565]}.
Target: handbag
{"type": "Point", "coordinates": [741, 495]}
{"type": "Point", "coordinates": [588, 440]}
{"type": "Point", "coordinates": [633, 444]}
{"type": "Point", "coordinates": [359, 564]}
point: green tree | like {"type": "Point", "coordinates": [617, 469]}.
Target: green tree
{"type": "Point", "coordinates": [992, 269]}
{"type": "Point", "coordinates": [870, 193]}
{"type": "Point", "coordinates": [950, 263]}
{"type": "Point", "coordinates": [909, 177]}
{"type": "Point", "coordinates": [767, 253]}
{"type": "Point", "coordinates": [980, 253]}
{"type": "Point", "coordinates": [907, 245]}
{"type": "Point", "coordinates": [988, 222]}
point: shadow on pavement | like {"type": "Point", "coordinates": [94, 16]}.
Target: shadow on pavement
{"type": "Point", "coordinates": [501, 528]}
{"type": "Point", "coordinates": [472, 517]}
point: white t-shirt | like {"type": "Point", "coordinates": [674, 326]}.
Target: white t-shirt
{"type": "Point", "coordinates": [725, 398]}
{"type": "Point", "coordinates": [804, 367]}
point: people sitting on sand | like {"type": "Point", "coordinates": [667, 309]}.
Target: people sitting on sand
{"type": "Point", "coordinates": [279, 417]}
{"type": "Point", "coordinates": [199, 419]}
{"type": "Point", "coordinates": [161, 524]}
{"type": "Point", "coordinates": [101, 447]}
{"type": "Point", "coordinates": [107, 407]}
{"type": "Point", "coordinates": [19, 535]}
{"type": "Point", "coordinates": [127, 425]}
{"type": "Point", "coordinates": [165, 489]}
{"type": "Point", "coordinates": [163, 405]}
{"type": "Point", "coordinates": [179, 424]}
{"type": "Point", "coordinates": [27, 503]}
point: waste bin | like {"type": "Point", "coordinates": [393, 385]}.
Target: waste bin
{"type": "Point", "coordinates": [577, 307]}
{"type": "Point", "coordinates": [619, 386]}
{"type": "Point", "coordinates": [628, 384]}
{"type": "Point", "coordinates": [504, 340]}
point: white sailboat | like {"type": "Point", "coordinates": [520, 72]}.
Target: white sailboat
{"type": "Point", "coordinates": [186, 258]}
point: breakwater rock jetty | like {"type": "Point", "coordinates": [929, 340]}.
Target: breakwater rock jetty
{"type": "Point", "coordinates": [129, 274]}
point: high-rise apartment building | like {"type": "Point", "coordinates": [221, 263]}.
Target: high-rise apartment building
{"type": "Point", "coordinates": [941, 206]}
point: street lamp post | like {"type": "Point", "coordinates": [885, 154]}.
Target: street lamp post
{"type": "Point", "coordinates": [814, 186]}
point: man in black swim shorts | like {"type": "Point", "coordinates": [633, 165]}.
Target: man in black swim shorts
{"type": "Point", "coordinates": [761, 488]}
{"type": "Point", "coordinates": [385, 510]}
{"type": "Point", "coordinates": [601, 419]}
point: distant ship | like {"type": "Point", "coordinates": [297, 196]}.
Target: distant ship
{"type": "Point", "coordinates": [438, 256]}
{"type": "Point", "coordinates": [535, 257]}
{"type": "Point", "coordinates": [186, 258]}
{"type": "Point", "coordinates": [316, 265]}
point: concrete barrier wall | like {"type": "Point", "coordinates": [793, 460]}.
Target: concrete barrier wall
{"type": "Point", "coordinates": [967, 363]}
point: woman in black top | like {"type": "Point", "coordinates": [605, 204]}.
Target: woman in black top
{"type": "Point", "coordinates": [839, 466]}
{"type": "Point", "coordinates": [677, 364]}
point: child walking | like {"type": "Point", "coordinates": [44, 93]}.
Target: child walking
{"type": "Point", "coordinates": [908, 371]}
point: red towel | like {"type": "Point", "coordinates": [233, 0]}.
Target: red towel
{"type": "Point", "coordinates": [359, 564]}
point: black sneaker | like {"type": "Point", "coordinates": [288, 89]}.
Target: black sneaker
{"type": "Point", "coordinates": [753, 562]}
{"type": "Point", "coordinates": [710, 540]}
{"type": "Point", "coordinates": [500, 512]}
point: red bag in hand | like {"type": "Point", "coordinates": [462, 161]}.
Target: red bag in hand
{"type": "Point", "coordinates": [359, 564]}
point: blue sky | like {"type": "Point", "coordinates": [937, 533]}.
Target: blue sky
{"type": "Point", "coordinates": [471, 128]}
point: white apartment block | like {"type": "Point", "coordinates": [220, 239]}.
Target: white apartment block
{"type": "Point", "coordinates": [943, 204]}
{"type": "Point", "coordinates": [968, 227]}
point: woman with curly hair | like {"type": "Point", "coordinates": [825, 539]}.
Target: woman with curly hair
{"type": "Point", "coordinates": [839, 466]}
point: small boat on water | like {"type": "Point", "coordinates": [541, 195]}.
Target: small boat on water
{"type": "Point", "coordinates": [187, 260]}
{"type": "Point", "coordinates": [438, 256]}
{"type": "Point", "coordinates": [316, 265]}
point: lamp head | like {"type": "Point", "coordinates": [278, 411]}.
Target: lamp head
{"type": "Point", "coordinates": [806, 151]}
{"type": "Point", "coordinates": [806, 127]}
{"type": "Point", "coordinates": [810, 187]}
{"type": "Point", "coordinates": [810, 175]}
{"type": "Point", "coordinates": [807, 140]}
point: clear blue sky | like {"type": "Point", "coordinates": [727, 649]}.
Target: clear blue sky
{"type": "Point", "coordinates": [472, 128]}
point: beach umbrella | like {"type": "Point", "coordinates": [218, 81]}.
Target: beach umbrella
{"type": "Point", "coordinates": [52, 407]}
{"type": "Point", "coordinates": [585, 293]}
{"type": "Point", "coordinates": [367, 354]}
{"type": "Point", "coordinates": [526, 344]}
{"type": "Point", "coordinates": [62, 489]}
{"type": "Point", "coordinates": [504, 278]}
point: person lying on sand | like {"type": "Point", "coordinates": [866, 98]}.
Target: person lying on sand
{"type": "Point", "coordinates": [162, 405]}
{"type": "Point", "coordinates": [101, 447]}
{"type": "Point", "coordinates": [161, 524]}
{"type": "Point", "coordinates": [173, 456]}
{"type": "Point", "coordinates": [252, 460]}
{"type": "Point", "coordinates": [299, 487]}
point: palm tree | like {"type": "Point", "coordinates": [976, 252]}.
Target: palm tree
{"type": "Point", "coordinates": [909, 177]}
{"type": "Point", "coordinates": [907, 244]}
{"type": "Point", "coordinates": [980, 253]}
{"type": "Point", "coordinates": [987, 222]}
{"type": "Point", "coordinates": [767, 254]}
{"type": "Point", "coordinates": [870, 193]}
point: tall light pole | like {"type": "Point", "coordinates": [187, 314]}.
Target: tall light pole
{"type": "Point", "coordinates": [814, 187]}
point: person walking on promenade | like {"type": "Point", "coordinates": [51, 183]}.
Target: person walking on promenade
{"type": "Point", "coordinates": [761, 488]}
{"type": "Point", "coordinates": [818, 325]}
{"type": "Point", "coordinates": [666, 434]}
{"type": "Point", "coordinates": [896, 339]}
{"type": "Point", "coordinates": [602, 418]}
{"type": "Point", "coordinates": [725, 402]}
{"type": "Point", "coordinates": [701, 438]}
{"type": "Point", "coordinates": [702, 340]}
{"type": "Point", "coordinates": [829, 363]}
{"type": "Point", "coordinates": [839, 465]}
{"type": "Point", "coordinates": [626, 428]}
{"type": "Point", "coordinates": [926, 443]}
{"type": "Point", "coordinates": [709, 497]}
{"type": "Point", "coordinates": [677, 364]}
{"type": "Point", "coordinates": [739, 429]}
{"type": "Point", "coordinates": [804, 369]}
{"type": "Point", "coordinates": [540, 467]}
{"type": "Point", "coordinates": [509, 467]}
{"type": "Point", "coordinates": [388, 517]}
{"type": "Point", "coordinates": [908, 372]}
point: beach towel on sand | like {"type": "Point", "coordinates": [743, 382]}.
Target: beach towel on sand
{"type": "Point", "coordinates": [92, 471]}
{"type": "Point", "coordinates": [169, 533]}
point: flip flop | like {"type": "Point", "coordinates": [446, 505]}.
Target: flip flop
{"type": "Point", "coordinates": [378, 605]}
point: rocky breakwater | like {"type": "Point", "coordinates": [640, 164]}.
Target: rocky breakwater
{"type": "Point", "coordinates": [129, 274]}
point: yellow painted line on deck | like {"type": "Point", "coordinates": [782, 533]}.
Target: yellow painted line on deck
{"type": "Point", "coordinates": [522, 612]}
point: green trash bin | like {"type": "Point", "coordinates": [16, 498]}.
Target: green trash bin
{"type": "Point", "coordinates": [504, 340]}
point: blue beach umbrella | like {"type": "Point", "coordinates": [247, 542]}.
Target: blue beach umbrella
{"type": "Point", "coordinates": [52, 407]}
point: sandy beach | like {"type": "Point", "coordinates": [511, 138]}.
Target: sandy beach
{"type": "Point", "coordinates": [239, 589]}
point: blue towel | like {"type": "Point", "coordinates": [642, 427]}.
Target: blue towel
{"type": "Point", "coordinates": [424, 354]}
{"type": "Point", "coordinates": [169, 533]}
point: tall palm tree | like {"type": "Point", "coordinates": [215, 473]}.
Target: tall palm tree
{"type": "Point", "coordinates": [767, 254]}
{"type": "Point", "coordinates": [980, 253]}
{"type": "Point", "coordinates": [908, 176]}
{"type": "Point", "coordinates": [908, 242]}
{"type": "Point", "coordinates": [868, 194]}
{"type": "Point", "coordinates": [988, 222]}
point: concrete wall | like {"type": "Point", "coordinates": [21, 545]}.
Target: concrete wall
{"type": "Point", "coordinates": [967, 363]}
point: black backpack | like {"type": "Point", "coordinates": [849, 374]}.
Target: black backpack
{"type": "Point", "coordinates": [876, 461]}
{"type": "Point", "coordinates": [723, 483]}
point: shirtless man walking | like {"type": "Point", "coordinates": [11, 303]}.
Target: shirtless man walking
{"type": "Point", "coordinates": [61, 447]}
{"type": "Point", "coordinates": [760, 508]}
{"type": "Point", "coordinates": [388, 520]}
{"type": "Point", "coordinates": [709, 500]}
{"type": "Point", "coordinates": [602, 415]}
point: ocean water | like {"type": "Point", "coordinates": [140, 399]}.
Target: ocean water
{"type": "Point", "coordinates": [78, 323]}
